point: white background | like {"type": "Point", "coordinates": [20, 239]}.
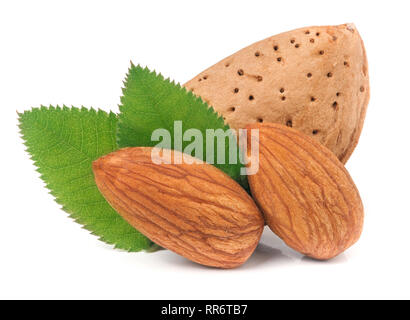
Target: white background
{"type": "Point", "coordinates": [77, 53]}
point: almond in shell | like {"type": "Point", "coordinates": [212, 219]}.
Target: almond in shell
{"type": "Point", "coordinates": [314, 79]}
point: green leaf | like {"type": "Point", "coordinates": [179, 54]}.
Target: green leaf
{"type": "Point", "coordinates": [150, 102]}
{"type": "Point", "coordinates": [63, 143]}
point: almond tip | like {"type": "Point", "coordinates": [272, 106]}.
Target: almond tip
{"type": "Point", "coordinates": [96, 165]}
{"type": "Point", "coordinates": [351, 27]}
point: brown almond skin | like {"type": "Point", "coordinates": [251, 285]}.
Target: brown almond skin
{"type": "Point", "coordinates": [194, 210]}
{"type": "Point", "coordinates": [314, 79]}
{"type": "Point", "coordinates": [306, 195]}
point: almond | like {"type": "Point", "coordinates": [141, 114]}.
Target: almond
{"type": "Point", "coordinates": [194, 210]}
{"type": "Point", "coordinates": [306, 195]}
{"type": "Point", "coordinates": [313, 79]}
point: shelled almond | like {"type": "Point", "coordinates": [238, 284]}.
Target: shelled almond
{"type": "Point", "coordinates": [306, 195]}
{"type": "Point", "coordinates": [194, 210]}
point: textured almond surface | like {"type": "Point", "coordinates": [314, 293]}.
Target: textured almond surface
{"type": "Point", "coordinates": [306, 195]}
{"type": "Point", "coordinates": [313, 79]}
{"type": "Point", "coordinates": [194, 210]}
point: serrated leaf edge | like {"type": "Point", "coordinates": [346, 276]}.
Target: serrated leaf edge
{"type": "Point", "coordinates": [210, 109]}
{"type": "Point", "coordinates": [71, 215]}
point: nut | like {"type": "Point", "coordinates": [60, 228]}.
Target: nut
{"type": "Point", "coordinates": [313, 79]}
{"type": "Point", "coordinates": [194, 210]}
{"type": "Point", "coordinates": [306, 195]}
